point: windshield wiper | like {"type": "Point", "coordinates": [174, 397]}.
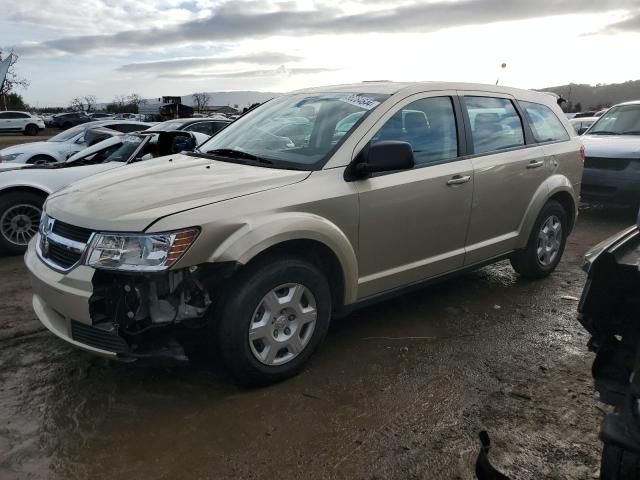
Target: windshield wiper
{"type": "Point", "coordinates": [631, 132]}
{"type": "Point", "coordinates": [231, 153]}
{"type": "Point", "coordinates": [604, 132]}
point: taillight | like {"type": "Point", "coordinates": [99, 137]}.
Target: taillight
{"type": "Point", "coordinates": [582, 153]}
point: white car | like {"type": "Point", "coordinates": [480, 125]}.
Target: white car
{"type": "Point", "coordinates": [60, 147]}
{"type": "Point", "coordinates": [22, 122]}
{"type": "Point", "coordinates": [24, 188]}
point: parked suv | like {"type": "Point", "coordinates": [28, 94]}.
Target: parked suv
{"type": "Point", "coordinates": [68, 120]}
{"type": "Point", "coordinates": [20, 122]}
{"type": "Point", "coordinates": [256, 240]}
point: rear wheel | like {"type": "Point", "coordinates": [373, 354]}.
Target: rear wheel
{"type": "Point", "coordinates": [546, 243]}
{"type": "Point", "coordinates": [275, 315]}
{"type": "Point", "coordinates": [19, 220]}
{"type": "Point", "coordinates": [41, 160]}
{"type": "Point", "coordinates": [619, 464]}
{"type": "Point", "coordinates": [31, 130]}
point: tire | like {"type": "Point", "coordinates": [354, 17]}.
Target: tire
{"type": "Point", "coordinates": [246, 300]}
{"type": "Point", "coordinates": [19, 219]}
{"type": "Point", "coordinates": [618, 464]}
{"type": "Point", "coordinates": [41, 160]}
{"type": "Point", "coordinates": [529, 263]}
{"type": "Point", "coordinates": [31, 130]}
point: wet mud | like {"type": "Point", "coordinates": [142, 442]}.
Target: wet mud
{"type": "Point", "coordinates": [398, 390]}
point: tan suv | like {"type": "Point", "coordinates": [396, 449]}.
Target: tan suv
{"type": "Point", "coordinates": [310, 205]}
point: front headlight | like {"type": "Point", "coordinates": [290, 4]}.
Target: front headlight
{"type": "Point", "coordinates": [10, 157]}
{"type": "Point", "coordinates": [152, 252]}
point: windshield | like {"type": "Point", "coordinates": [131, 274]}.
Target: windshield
{"type": "Point", "coordinates": [69, 134]}
{"type": "Point", "coordinates": [297, 131]}
{"type": "Point", "coordinates": [168, 126]}
{"type": "Point", "coordinates": [130, 144]}
{"type": "Point", "coordinates": [622, 120]}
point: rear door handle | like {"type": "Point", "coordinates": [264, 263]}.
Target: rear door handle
{"type": "Point", "coordinates": [535, 164]}
{"type": "Point", "coordinates": [458, 179]}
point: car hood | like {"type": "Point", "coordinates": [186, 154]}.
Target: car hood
{"type": "Point", "coordinates": [131, 198]}
{"type": "Point", "coordinates": [612, 146]}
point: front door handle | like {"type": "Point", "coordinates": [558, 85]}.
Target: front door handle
{"type": "Point", "coordinates": [535, 164]}
{"type": "Point", "coordinates": [458, 179]}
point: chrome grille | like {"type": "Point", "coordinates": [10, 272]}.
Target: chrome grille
{"type": "Point", "coordinates": [61, 246]}
{"type": "Point", "coordinates": [77, 234]}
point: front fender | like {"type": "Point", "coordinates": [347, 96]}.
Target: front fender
{"type": "Point", "coordinates": [550, 187]}
{"type": "Point", "coordinates": [255, 237]}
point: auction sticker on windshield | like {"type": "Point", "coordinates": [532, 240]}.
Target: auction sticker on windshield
{"type": "Point", "coordinates": [361, 101]}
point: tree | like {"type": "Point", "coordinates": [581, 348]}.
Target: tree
{"type": "Point", "coordinates": [11, 81]}
{"type": "Point", "coordinates": [14, 101]}
{"type": "Point", "coordinates": [90, 101]}
{"type": "Point", "coordinates": [77, 104]}
{"type": "Point", "coordinates": [135, 100]}
{"type": "Point", "coordinates": [200, 101]}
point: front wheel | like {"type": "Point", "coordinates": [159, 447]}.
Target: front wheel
{"type": "Point", "coordinates": [19, 220]}
{"type": "Point", "coordinates": [274, 316]}
{"type": "Point", "coordinates": [546, 243]}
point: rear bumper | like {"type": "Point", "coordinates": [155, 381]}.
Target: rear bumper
{"type": "Point", "coordinates": [611, 186]}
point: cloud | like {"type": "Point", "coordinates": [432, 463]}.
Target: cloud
{"type": "Point", "coordinates": [281, 71]}
{"type": "Point", "coordinates": [238, 20]}
{"type": "Point", "coordinates": [630, 24]}
{"type": "Point", "coordinates": [264, 58]}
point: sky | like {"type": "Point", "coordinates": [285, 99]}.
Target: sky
{"type": "Point", "coordinates": [176, 47]}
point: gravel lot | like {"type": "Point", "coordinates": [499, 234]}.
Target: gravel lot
{"type": "Point", "coordinates": [398, 391]}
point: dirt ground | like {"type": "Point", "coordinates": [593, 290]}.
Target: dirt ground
{"type": "Point", "coordinates": [10, 139]}
{"type": "Point", "coordinates": [399, 390]}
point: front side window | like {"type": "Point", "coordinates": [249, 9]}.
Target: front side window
{"type": "Point", "coordinates": [495, 124]}
{"type": "Point", "coordinates": [429, 125]}
{"type": "Point", "coordinates": [621, 120]}
{"type": "Point", "coordinates": [295, 131]}
{"type": "Point", "coordinates": [545, 125]}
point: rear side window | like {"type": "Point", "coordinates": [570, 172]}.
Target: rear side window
{"type": "Point", "coordinates": [546, 127]}
{"type": "Point", "coordinates": [202, 127]}
{"type": "Point", "coordinates": [429, 125]}
{"type": "Point", "coordinates": [495, 124]}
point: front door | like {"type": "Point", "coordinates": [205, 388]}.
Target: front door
{"type": "Point", "coordinates": [413, 224]}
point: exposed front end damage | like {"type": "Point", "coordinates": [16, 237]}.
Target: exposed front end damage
{"type": "Point", "coordinates": [610, 310]}
{"type": "Point", "coordinates": [147, 315]}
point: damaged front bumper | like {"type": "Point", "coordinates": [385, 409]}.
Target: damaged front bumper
{"type": "Point", "coordinates": [610, 311]}
{"type": "Point", "coordinates": [122, 316]}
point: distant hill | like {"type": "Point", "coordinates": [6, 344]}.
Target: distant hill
{"type": "Point", "coordinates": [589, 97]}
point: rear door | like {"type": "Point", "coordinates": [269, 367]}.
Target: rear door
{"type": "Point", "coordinates": [509, 167]}
{"type": "Point", "coordinates": [413, 223]}
{"type": "Point", "coordinates": [6, 121]}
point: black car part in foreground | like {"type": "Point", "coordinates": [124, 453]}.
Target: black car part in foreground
{"type": "Point", "coordinates": [610, 311]}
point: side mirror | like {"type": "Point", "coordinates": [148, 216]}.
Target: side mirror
{"type": "Point", "coordinates": [581, 130]}
{"type": "Point", "coordinates": [386, 156]}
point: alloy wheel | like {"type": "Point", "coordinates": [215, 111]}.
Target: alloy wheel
{"type": "Point", "coordinates": [19, 223]}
